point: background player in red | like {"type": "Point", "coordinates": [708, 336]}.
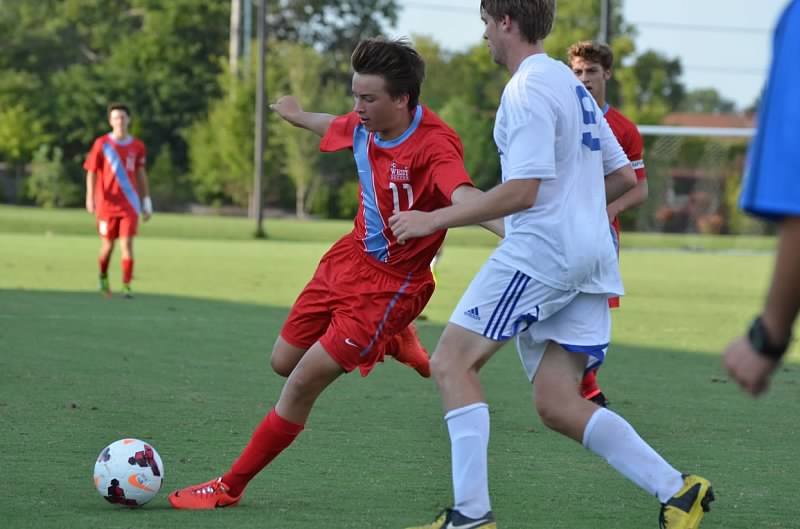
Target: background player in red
{"type": "Point", "coordinates": [367, 288]}
{"type": "Point", "coordinates": [115, 180]}
{"type": "Point", "coordinates": [592, 63]}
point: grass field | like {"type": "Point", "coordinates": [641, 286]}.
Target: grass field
{"type": "Point", "coordinates": [185, 366]}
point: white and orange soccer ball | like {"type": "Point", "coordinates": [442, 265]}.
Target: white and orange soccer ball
{"type": "Point", "coordinates": [128, 472]}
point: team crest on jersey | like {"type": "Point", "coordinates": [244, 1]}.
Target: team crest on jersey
{"type": "Point", "coordinates": [399, 173]}
{"type": "Point", "coordinates": [130, 162]}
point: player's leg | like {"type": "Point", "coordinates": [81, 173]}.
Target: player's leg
{"type": "Point", "coordinates": [562, 408]}
{"type": "Point", "coordinates": [315, 371]}
{"type": "Point", "coordinates": [108, 231]}
{"type": "Point", "coordinates": [285, 356]}
{"type": "Point", "coordinates": [406, 348]}
{"type": "Point", "coordinates": [127, 231]}
{"type": "Point", "coordinates": [455, 364]}
{"type": "Point", "coordinates": [590, 389]}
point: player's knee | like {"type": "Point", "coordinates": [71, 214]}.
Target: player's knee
{"type": "Point", "coordinates": [447, 365]}
{"type": "Point", "coordinates": [280, 364]}
{"type": "Point", "coordinates": [550, 405]}
{"type": "Point", "coordinates": [549, 413]}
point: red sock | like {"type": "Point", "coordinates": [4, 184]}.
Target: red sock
{"type": "Point", "coordinates": [104, 264]}
{"type": "Point", "coordinates": [271, 437]}
{"type": "Point", "coordinates": [127, 270]}
{"type": "Point", "coordinates": [589, 387]}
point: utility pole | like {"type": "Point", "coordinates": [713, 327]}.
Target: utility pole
{"type": "Point", "coordinates": [234, 38]}
{"type": "Point", "coordinates": [247, 33]}
{"type": "Point", "coordinates": [260, 132]}
{"type": "Point", "coordinates": [606, 10]}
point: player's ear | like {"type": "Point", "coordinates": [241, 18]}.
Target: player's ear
{"type": "Point", "coordinates": [401, 101]}
{"type": "Point", "coordinates": [607, 74]}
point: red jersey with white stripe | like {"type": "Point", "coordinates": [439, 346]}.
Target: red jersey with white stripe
{"type": "Point", "coordinates": [418, 170]}
{"type": "Point", "coordinates": [630, 140]}
{"type": "Point", "coordinates": [116, 163]}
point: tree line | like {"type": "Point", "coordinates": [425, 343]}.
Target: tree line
{"type": "Point", "coordinates": [62, 61]}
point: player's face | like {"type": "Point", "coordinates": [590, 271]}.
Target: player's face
{"type": "Point", "coordinates": [592, 75]}
{"type": "Point", "coordinates": [491, 34]}
{"type": "Point", "coordinates": [119, 121]}
{"type": "Point", "coordinates": [379, 112]}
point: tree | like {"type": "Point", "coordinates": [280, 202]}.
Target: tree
{"type": "Point", "coordinates": [706, 100]}
{"type": "Point", "coordinates": [651, 87]}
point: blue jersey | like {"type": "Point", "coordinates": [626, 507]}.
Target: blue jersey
{"type": "Point", "coordinates": [772, 180]}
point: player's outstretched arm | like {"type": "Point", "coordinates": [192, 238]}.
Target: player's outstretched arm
{"type": "Point", "coordinates": [507, 198]}
{"type": "Point", "coordinates": [750, 368]}
{"type": "Point", "coordinates": [464, 193]}
{"type": "Point", "coordinates": [619, 182]}
{"type": "Point", "coordinates": [289, 109]}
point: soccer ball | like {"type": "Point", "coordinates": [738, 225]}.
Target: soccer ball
{"type": "Point", "coordinates": [128, 472]}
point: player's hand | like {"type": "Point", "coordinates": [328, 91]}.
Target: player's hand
{"type": "Point", "coordinates": [751, 370]}
{"type": "Point", "coordinates": [90, 204]}
{"type": "Point", "coordinates": [147, 208]}
{"type": "Point", "coordinates": [612, 212]}
{"type": "Point", "coordinates": [411, 224]}
{"type": "Point", "coordinates": [288, 108]}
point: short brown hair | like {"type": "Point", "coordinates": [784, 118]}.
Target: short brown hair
{"type": "Point", "coordinates": [535, 17]}
{"type": "Point", "coordinates": [396, 61]}
{"type": "Point", "coordinates": [118, 106]}
{"type": "Point", "coordinates": [592, 51]}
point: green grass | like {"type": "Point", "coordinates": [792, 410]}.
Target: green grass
{"type": "Point", "coordinates": [164, 225]}
{"type": "Point", "coordinates": [185, 366]}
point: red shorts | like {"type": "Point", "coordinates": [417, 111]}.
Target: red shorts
{"type": "Point", "coordinates": [354, 304]}
{"type": "Point", "coordinates": [115, 227]}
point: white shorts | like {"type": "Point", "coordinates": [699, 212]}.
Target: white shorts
{"type": "Point", "coordinates": [502, 303]}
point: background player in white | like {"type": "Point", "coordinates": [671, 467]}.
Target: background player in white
{"type": "Point", "coordinates": [548, 282]}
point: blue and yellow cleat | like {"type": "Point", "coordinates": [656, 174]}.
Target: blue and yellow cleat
{"type": "Point", "coordinates": [452, 519]}
{"type": "Point", "coordinates": [685, 510]}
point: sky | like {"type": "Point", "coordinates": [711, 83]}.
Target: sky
{"type": "Point", "coordinates": [722, 44]}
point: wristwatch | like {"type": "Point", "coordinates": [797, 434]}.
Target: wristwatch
{"type": "Point", "coordinates": [760, 340]}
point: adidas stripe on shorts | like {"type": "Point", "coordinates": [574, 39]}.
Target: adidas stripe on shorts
{"type": "Point", "coordinates": [503, 303]}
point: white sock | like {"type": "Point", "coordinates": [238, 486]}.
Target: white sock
{"type": "Point", "coordinates": [612, 438]}
{"type": "Point", "coordinates": [469, 443]}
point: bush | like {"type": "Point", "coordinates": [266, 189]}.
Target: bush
{"type": "Point", "coordinates": [49, 185]}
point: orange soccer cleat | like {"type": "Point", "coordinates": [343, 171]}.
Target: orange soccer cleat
{"type": "Point", "coordinates": [407, 349]}
{"type": "Point", "coordinates": [209, 495]}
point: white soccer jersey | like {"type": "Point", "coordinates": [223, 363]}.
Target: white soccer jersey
{"type": "Point", "coordinates": [549, 127]}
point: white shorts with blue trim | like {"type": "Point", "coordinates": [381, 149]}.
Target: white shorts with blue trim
{"type": "Point", "coordinates": [503, 303]}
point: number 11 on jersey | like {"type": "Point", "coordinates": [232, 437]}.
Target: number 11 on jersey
{"type": "Point", "coordinates": [396, 195]}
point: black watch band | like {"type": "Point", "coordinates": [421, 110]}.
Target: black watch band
{"type": "Point", "coordinates": [760, 340]}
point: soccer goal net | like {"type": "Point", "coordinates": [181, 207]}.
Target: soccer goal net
{"type": "Point", "coordinates": [694, 176]}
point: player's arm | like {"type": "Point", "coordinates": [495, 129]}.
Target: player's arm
{"type": "Point", "coordinates": [465, 193]}
{"type": "Point", "coordinates": [144, 189]}
{"type": "Point", "coordinates": [507, 198]}
{"type": "Point", "coordinates": [619, 182]}
{"type": "Point", "coordinates": [783, 300]}
{"type": "Point", "coordinates": [638, 195]}
{"type": "Point", "coordinates": [91, 181]}
{"type": "Point", "coordinates": [620, 175]}
{"type": "Point", "coordinates": [750, 367]}
{"type": "Point", "coordinates": [633, 198]}
{"type": "Point", "coordinates": [289, 109]}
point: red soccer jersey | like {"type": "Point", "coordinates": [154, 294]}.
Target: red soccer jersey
{"type": "Point", "coordinates": [418, 170]}
{"type": "Point", "coordinates": [630, 140]}
{"type": "Point", "coordinates": [116, 164]}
